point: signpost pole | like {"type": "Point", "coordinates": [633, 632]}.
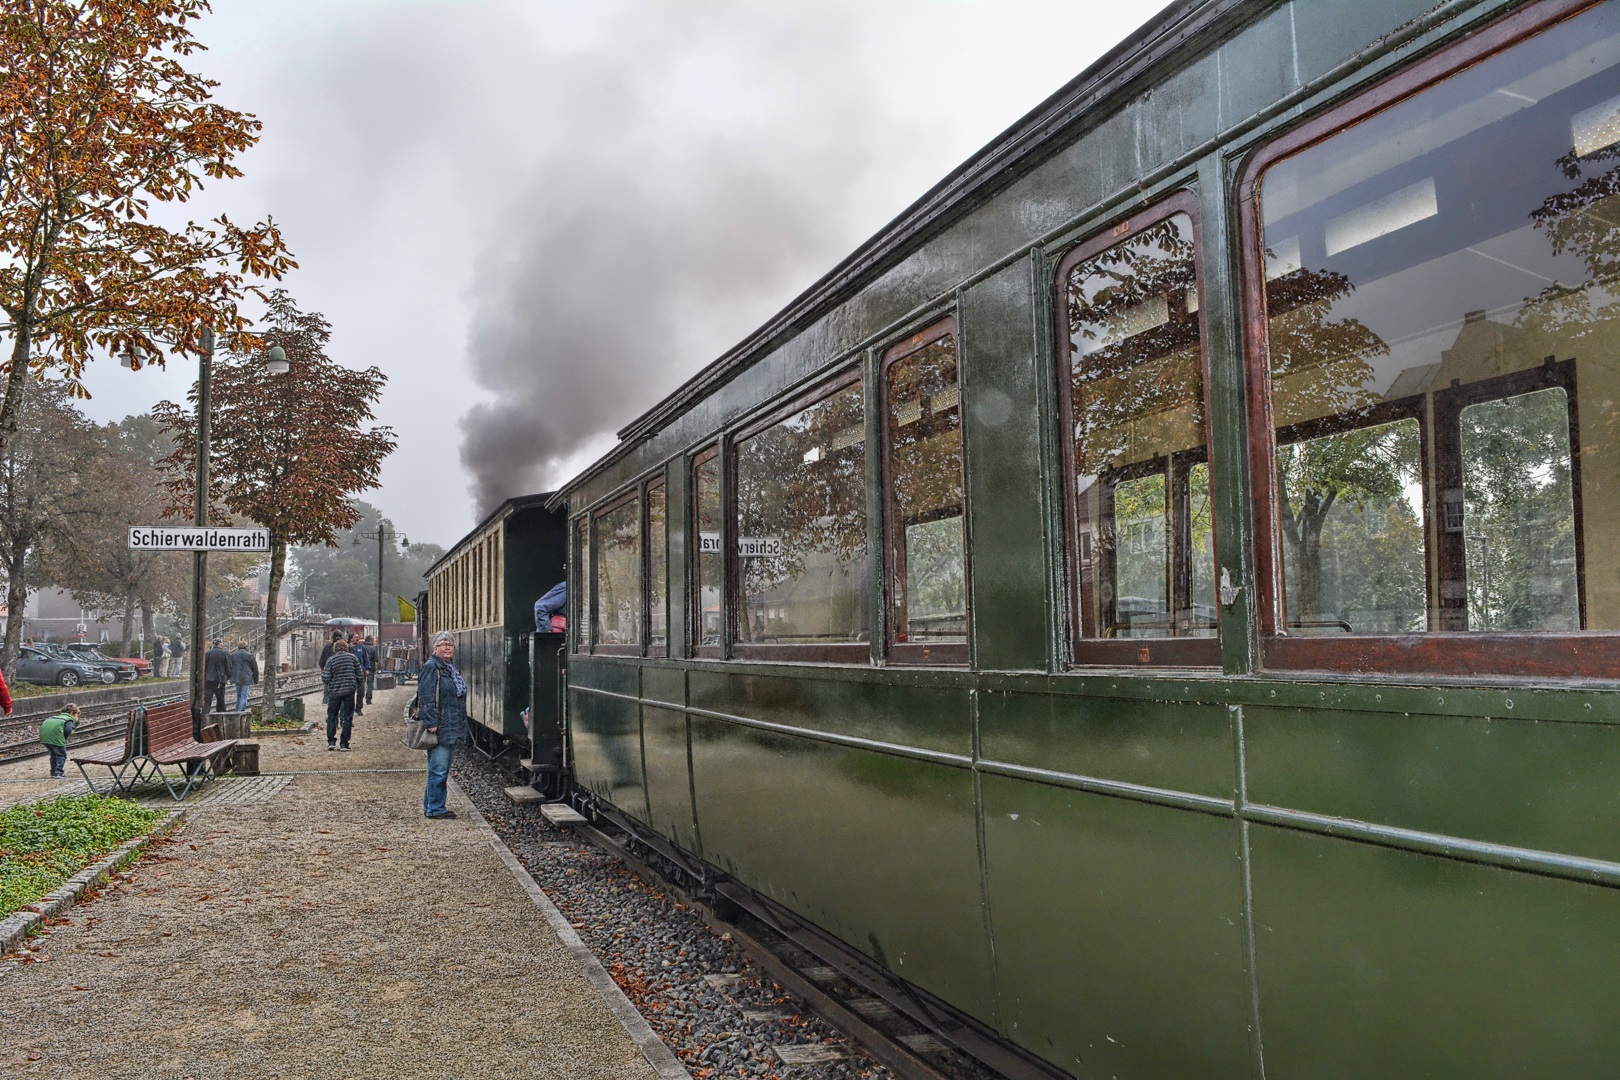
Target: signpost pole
{"type": "Point", "coordinates": [199, 560]}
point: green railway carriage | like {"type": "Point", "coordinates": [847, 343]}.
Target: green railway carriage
{"type": "Point", "coordinates": [1159, 595]}
{"type": "Point", "coordinates": [483, 591]}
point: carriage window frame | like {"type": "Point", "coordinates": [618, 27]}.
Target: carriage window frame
{"type": "Point", "coordinates": [1147, 652]}
{"type": "Point", "coordinates": [601, 648]}
{"type": "Point", "coordinates": [1507, 655]}
{"type": "Point", "coordinates": [710, 453]}
{"type": "Point", "coordinates": [894, 572]}
{"type": "Point", "coordinates": [858, 652]}
{"type": "Point", "coordinates": [651, 649]}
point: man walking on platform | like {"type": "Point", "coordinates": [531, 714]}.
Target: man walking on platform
{"type": "Point", "coordinates": [341, 676]}
{"type": "Point", "coordinates": [371, 670]}
{"type": "Point", "coordinates": [216, 673]}
{"type": "Point", "coordinates": [326, 654]}
{"type": "Point", "coordinates": [244, 673]}
{"type": "Point", "coordinates": [363, 663]}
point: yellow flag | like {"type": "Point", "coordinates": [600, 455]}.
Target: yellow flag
{"type": "Point", "coordinates": [407, 610]}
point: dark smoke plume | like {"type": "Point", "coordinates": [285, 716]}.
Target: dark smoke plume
{"type": "Point", "coordinates": [697, 172]}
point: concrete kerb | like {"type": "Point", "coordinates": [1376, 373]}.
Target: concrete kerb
{"type": "Point", "coordinates": [654, 1049]}
{"type": "Point", "coordinates": [15, 928]}
{"type": "Point", "coordinates": [272, 733]}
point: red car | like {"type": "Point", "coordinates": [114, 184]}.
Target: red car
{"type": "Point", "coordinates": [90, 652]}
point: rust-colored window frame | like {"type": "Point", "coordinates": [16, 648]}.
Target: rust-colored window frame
{"type": "Point", "coordinates": [1507, 655]}
{"type": "Point", "coordinates": [907, 652]}
{"type": "Point", "coordinates": [840, 653]}
{"type": "Point", "coordinates": [597, 514]}
{"type": "Point", "coordinates": [647, 488]}
{"type": "Point", "coordinates": [1087, 652]}
{"type": "Point", "coordinates": [695, 548]}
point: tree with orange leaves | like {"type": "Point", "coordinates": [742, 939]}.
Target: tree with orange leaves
{"type": "Point", "coordinates": [287, 451]}
{"type": "Point", "coordinates": [99, 119]}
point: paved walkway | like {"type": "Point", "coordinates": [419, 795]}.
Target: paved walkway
{"type": "Point", "coordinates": [310, 924]}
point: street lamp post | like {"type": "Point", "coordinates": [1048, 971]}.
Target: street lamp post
{"type": "Point", "coordinates": [276, 363]}
{"type": "Point", "coordinates": [199, 559]}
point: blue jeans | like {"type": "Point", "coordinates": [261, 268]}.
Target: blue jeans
{"type": "Point", "coordinates": [59, 765]}
{"type": "Point", "coordinates": [242, 690]}
{"type": "Point", "coordinates": [339, 709]}
{"type": "Point", "coordinates": [438, 774]}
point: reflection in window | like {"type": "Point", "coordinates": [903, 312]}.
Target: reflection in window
{"type": "Point", "coordinates": [1357, 495]}
{"type": "Point", "coordinates": [1145, 545]}
{"type": "Point", "coordinates": [657, 573]}
{"type": "Point", "coordinates": [709, 561]}
{"type": "Point", "coordinates": [924, 418]}
{"type": "Point", "coordinates": [801, 526]}
{"type": "Point", "coordinates": [618, 575]}
{"type": "Point", "coordinates": [1518, 515]}
{"type": "Point", "coordinates": [580, 621]}
{"type": "Point", "coordinates": [1455, 257]}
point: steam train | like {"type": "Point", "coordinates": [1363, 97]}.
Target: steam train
{"type": "Point", "coordinates": [1139, 601]}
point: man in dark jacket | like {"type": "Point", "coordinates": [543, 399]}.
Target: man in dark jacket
{"type": "Point", "coordinates": [373, 662]}
{"type": "Point", "coordinates": [341, 675]}
{"type": "Point", "coordinates": [216, 673]}
{"type": "Point", "coordinates": [362, 658]}
{"type": "Point", "coordinates": [326, 654]}
{"type": "Point", "coordinates": [244, 673]}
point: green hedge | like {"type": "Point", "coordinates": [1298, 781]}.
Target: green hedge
{"type": "Point", "coordinates": [43, 844]}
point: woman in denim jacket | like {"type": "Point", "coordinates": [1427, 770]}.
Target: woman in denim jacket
{"type": "Point", "coordinates": [441, 694]}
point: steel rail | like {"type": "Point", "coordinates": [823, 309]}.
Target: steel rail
{"type": "Point", "coordinates": [99, 722]}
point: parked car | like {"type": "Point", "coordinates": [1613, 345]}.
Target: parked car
{"type": "Point", "coordinates": [48, 666]}
{"type": "Point", "coordinates": [90, 652]}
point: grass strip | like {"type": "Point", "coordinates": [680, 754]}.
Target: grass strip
{"type": "Point", "coordinates": [43, 844]}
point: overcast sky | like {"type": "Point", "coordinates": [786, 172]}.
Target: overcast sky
{"type": "Point", "coordinates": [540, 217]}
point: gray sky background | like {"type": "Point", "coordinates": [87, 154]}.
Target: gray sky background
{"type": "Point", "coordinates": [542, 216]}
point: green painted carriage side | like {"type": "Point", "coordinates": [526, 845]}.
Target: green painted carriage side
{"type": "Point", "coordinates": [1143, 874]}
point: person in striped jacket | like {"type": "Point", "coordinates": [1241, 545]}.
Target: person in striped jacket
{"type": "Point", "coordinates": [341, 676]}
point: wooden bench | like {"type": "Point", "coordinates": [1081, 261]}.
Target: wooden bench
{"type": "Point", "coordinates": [119, 759]}
{"type": "Point", "coordinates": [169, 742]}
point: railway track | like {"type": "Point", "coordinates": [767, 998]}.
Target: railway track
{"type": "Point", "coordinates": [99, 722]}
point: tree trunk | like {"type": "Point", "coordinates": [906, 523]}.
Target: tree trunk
{"type": "Point", "coordinates": [129, 618]}
{"type": "Point", "coordinates": [16, 386]}
{"type": "Point", "coordinates": [272, 639]}
{"type": "Point", "coordinates": [149, 635]}
{"type": "Point", "coordinates": [16, 600]}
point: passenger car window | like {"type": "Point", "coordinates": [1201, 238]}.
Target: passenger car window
{"type": "Point", "coordinates": [800, 525]}
{"type": "Point", "coordinates": [617, 543]}
{"type": "Point", "coordinates": [657, 573]}
{"type": "Point", "coordinates": [708, 561]}
{"type": "Point", "coordinates": [922, 417]}
{"type": "Point", "coordinates": [1440, 322]}
{"type": "Point", "coordinates": [580, 599]}
{"type": "Point", "coordinates": [1142, 549]}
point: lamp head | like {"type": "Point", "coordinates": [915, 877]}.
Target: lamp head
{"type": "Point", "coordinates": [276, 362]}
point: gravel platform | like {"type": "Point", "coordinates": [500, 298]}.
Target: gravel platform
{"type": "Point", "coordinates": [318, 928]}
{"type": "Point", "coordinates": [699, 991]}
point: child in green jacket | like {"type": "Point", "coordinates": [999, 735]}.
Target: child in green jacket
{"type": "Point", "coordinates": [53, 732]}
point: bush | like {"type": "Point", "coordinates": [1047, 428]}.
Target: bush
{"type": "Point", "coordinates": [43, 844]}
